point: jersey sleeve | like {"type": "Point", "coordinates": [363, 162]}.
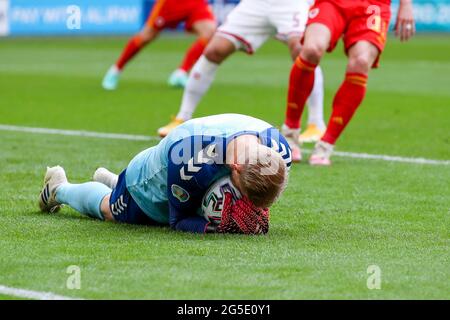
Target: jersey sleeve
{"type": "Point", "coordinates": [188, 223]}
{"type": "Point", "coordinates": [191, 167]}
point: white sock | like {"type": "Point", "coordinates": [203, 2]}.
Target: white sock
{"type": "Point", "coordinates": [315, 101]}
{"type": "Point", "coordinates": [200, 79]}
{"type": "Point", "coordinates": [106, 177]}
{"type": "Point", "coordinates": [114, 69]}
{"type": "Point", "coordinates": [180, 72]}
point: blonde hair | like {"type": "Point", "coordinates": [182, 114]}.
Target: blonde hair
{"type": "Point", "coordinates": [263, 176]}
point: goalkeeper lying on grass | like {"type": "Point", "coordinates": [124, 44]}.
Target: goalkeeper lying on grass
{"type": "Point", "coordinates": [164, 185]}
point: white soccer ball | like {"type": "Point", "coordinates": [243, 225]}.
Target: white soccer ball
{"type": "Point", "coordinates": [212, 202]}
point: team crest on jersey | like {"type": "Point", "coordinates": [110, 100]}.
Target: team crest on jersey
{"type": "Point", "coordinates": [313, 13]}
{"type": "Point", "coordinates": [179, 193]}
{"type": "Point", "coordinates": [160, 21]}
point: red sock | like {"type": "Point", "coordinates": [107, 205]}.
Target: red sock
{"type": "Point", "coordinates": [133, 47]}
{"type": "Point", "coordinates": [301, 82]}
{"type": "Point", "coordinates": [192, 55]}
{"type": "Point", "coordinates": [347, 100]}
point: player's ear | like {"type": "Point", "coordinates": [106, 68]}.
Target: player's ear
{"type": "Point", "coordinates": [236, 167]}
{"type": "Point", "coordinates": [235, 173]}
{"type": "Point", "coordinates": [236, 170]}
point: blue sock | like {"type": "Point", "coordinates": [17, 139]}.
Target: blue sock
{"type": "Point", "coordinates": [86, 198]}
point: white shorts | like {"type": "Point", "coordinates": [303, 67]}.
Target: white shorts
{"type": "Point", "coordinates": [252, 22]}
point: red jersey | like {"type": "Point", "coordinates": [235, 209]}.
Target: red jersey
{"type": "Point", "coordinates": [355, 20]}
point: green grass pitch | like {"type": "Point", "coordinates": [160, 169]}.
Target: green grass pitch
{"type": "Point", "coordinates": [330, 225]}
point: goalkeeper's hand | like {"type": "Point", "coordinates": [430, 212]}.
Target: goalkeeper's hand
{"type": "Point", "coordinates": [242, 217]}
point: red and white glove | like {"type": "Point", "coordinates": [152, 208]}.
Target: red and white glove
{"type": "Point", "coordinates": [243, 217]}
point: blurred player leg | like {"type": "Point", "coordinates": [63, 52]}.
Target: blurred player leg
{"type": "Point", "coordinates": [325, 25]}
{"type": "Point", "coordinates": [246, 28]}
{"type": "Point", "coordinates": [290, 18]}
{"type": "Point", "coordinates": [316, 125]}
{"type": "Point", "coordinates": [200, 79]}
{"type": "Point", "coordinates": [364, 40]}
{"type": "Point", "coordinates": [204, 29]}
{"type": "Point", "coordinates": [134, 45]}
{"type": "Point", "coordinates": [165, 13]}
{"type": "Point", "coordinates": [301, 81]}
{"type": "Point", "coordinates": [203, 74]}
{"type": "Point", "coordinates": [292, 135]}
{"type": "Point", "coordinates": [361, 57]}
{"type": "Point", "coordinates": [179, 77]}
{"type": "Point", "coordinates": [350, 95]}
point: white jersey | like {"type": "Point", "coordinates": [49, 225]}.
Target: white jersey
{"type": "Point", "coordinates": [252, 22]}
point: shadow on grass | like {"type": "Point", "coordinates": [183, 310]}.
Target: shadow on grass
{"type": "Point", "coordinates": [156, 231]}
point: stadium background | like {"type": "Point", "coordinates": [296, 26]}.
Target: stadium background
{"type": "Point", "coordinates": [49, 17]}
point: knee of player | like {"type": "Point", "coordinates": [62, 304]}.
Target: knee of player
{"type": "Point", "coordinates": [147, 34]}
{"type": "Point", "coordinates": [208, 31]}
{"type": "Point", "coordinates": [360, 63]}
{"type": "Point", "coordinates": [294, 48]}
{"type": "Point", "coordinates": [215, 53]}
{"type": "Point", "coordinates": [105, 209]}
{"type": "Point", "coordinates": [313, 52]}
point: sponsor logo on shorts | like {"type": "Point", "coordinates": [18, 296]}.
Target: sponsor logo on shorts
{"type": "Point", "coordinates": [179, 193]}
{"type": "Point", "coordinates": [313, 13]}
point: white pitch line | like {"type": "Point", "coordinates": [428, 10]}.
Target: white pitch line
{"type": "Point", "coordinates": [78, 133]}
{"type": "Point", "coordinates": [132, 137]}
{"type": "Point", "coordinates": [30, 294]}
{"type": "Point", "coordinates": [388, 158]}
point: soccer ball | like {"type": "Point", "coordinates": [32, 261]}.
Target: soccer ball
{"type": "Point", "coordinates": [212, 203]}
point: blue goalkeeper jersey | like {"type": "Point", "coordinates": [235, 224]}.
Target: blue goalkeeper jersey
{"type": "Point", "coordinates": [168, 181]}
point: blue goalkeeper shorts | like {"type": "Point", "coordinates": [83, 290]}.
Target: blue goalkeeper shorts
{"type": "Point", "coordinates": [124, 208]}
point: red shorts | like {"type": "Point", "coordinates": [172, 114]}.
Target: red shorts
{"type": "Point", "coordinates": [362, 20]}
{"type": "Point", "coordinates": [170, 13]}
